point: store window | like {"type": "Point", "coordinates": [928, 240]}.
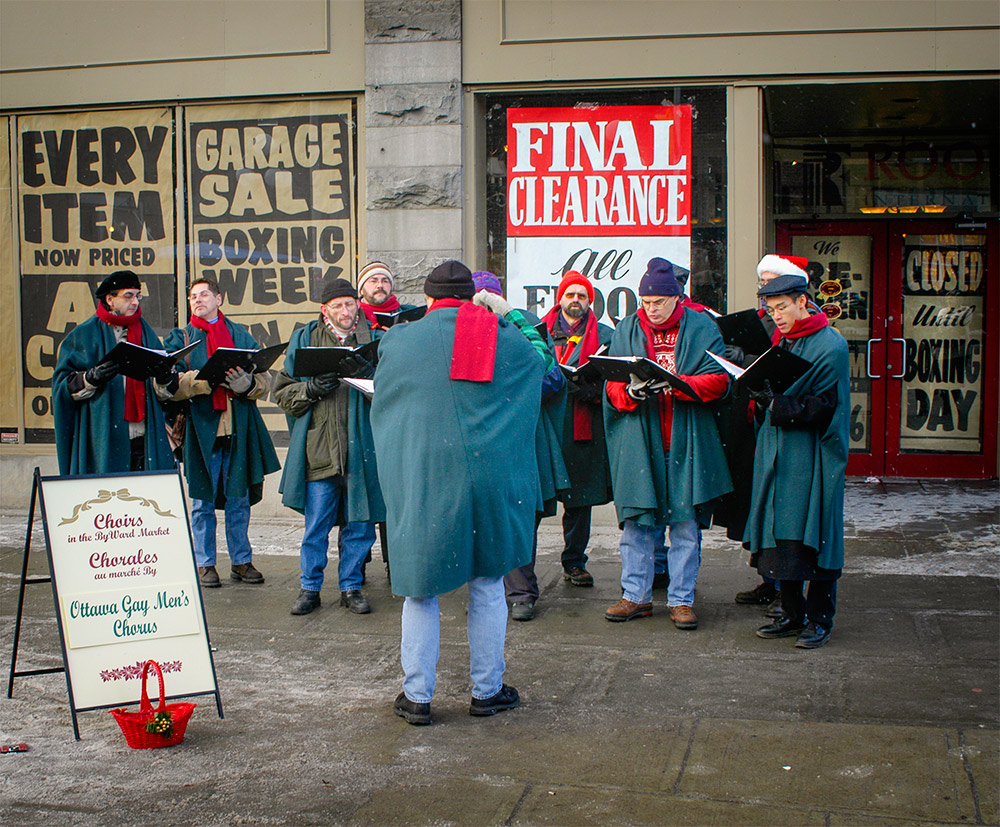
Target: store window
{"type": "Point", "coordinates": [693, 149]}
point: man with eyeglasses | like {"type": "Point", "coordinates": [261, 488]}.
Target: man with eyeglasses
{"type": "Point", "coordinates": [668, 466]}
{"type": "Point", "coordinates": [227, 449]}
{"type": "Point", "coordinates": [795, 531]}
{"type": "Point", "coordinates": [375, 286]}
{"type": "Point", "coordinates": [106, 423]}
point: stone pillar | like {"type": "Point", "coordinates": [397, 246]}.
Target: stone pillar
{"type": "Point", "coordinates": [413, 137]}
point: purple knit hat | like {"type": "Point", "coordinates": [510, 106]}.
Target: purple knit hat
{"type": "Point", "coordinates": [488, 282]}
{"type": "Point", "coordinates": [659, 279]}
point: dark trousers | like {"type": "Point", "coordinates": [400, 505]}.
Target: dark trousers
{"type": "Point", "coordinates": [520, 584]}
{"type": "Point", "coordinates": [818, 605]}
{"type": "Point", "coordinates": [137, 450]}
{"type": "Point", "coordinates": [576, 536]}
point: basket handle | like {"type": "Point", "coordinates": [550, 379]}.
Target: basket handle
{"type": "Point", "coordinates": [145, 705]}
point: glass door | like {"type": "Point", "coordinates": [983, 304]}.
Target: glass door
{"type": "Point", "coordinates": [943, 341]}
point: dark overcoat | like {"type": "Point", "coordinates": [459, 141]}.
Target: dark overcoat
{"type": "Point", "coordinates": [456, 458]}
{"type": "Point", "coordinates": [92, 435]}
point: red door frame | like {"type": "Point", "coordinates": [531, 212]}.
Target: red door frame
{"type": "Point", "coordinates": [885, 313]}
{"type": "Point", "coordinates": [872, 463]}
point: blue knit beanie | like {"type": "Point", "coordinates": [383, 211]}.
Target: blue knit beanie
{"type": "Point", "coordinates": [659, 279]}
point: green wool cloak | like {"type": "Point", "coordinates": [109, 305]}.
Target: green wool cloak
{"type": "Point", "coordinates": [553, 478]}
{"type": "Point", "coordinates": [586, 461]}
{"type": "Point", "coordinates": [457, 458]}
{"type": "Point", "coordinates": [252, 455]}
{"type": "Point", "coordinates": [364, 496]}
{"type": "Point", "coordinates": [646, 489]}
{"type": "Point", "coordinates": [92, 435]}
{"type": "Point", "coordinates": [798, 473]}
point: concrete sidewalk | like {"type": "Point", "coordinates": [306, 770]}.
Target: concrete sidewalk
{"type": "Point", "coordinates": [895, 721]}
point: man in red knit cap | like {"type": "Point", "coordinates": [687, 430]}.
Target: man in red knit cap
{"type": "Point", "coordinates": [577, 335]}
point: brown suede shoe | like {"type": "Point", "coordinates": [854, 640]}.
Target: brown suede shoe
{"type": "Point", "coordinates": [208, 577]}
{"type": "Point", "coordinates": [246, 573]}
{"type": "Point", "coordinates": [683, 617]}
{"type": "Point", "coordinates": [627, 610]}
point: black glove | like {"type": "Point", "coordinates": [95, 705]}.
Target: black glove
{"type": "Point", "coordinates": [323, 385]}
{"type": "Point", "coordinates": [101, 374]}
{"type": "Point", "coordinates": [762, 398]}
{"type": "Point", "coordinates": [357, 367]}
{"type": "Point", "coordinates": [735, 354]}
{"type": "Point", "coordinates": [586, 391]}
{"type": "Point", "coordinates": [637, 389]}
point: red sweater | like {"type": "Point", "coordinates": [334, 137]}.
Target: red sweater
{"type": "Point", "coordinates": [661, 350]}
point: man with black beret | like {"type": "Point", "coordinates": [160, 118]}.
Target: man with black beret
{"type": "Point", "coordinates": [330, 474]}
{"type": "Point", "coordinates": [668, 466]}
{"type": "Point", "coordinates": [457, 400]}
{"type": "Point", "coordinates": [795, 531]}
{"type": "Point", "coordinates": [106, 423]}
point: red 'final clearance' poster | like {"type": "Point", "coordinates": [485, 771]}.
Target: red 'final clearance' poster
{"type": "Point", "coordinates": [601, 190]}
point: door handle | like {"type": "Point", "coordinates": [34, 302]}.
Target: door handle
{"type": "Point", "coordinates": [902, 359]}
{"type": "Point", "coordinates": [868, 359]}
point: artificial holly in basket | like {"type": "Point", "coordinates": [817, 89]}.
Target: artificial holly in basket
{"type": "Point", "coordinates": [162, 724]}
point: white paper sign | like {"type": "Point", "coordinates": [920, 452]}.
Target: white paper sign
{"type": "Point", "coordinates": [127, 590]}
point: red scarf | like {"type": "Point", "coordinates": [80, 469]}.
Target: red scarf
{"type": "Point", "coordinates": [135, 391]}
{"type": "Point", "coordinates": [803, 327]}
{"type": "Point", "coordinates": [648, 327]}
{"type": "Point", "coordinates": [390, 305]}
{"type": "Point", "coordinates": [475, 348]}
{"type": "Point", "coordinates": [589, 342]}
{"type": "Point", "coordinates": [216, 335]}
{"type": "Point", "coordinates": [693, 305]}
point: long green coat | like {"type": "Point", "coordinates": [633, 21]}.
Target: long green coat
{"type": "Point", "coordinates": [456, 458]}
{"type": "Point", "coordinates": [798, 473]}
{"type": "Point", "coordinates": [364, 496]}
{"type": "Point", "coordinates": [586, 460]}
{"type": "Point", "coordinates": [92, 436]}
{"type": "Point", "coordinates": [252, 455]}
{"type": "Point", "coordinates": [553, 478]}
{"type": "Point", "coordinates": [646, 489]}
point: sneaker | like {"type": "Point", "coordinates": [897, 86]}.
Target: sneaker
{"type": "Point", "coordinates": [506, 698]}
{"type": "Point", "coordinates": [683, 617]}
{"type": "Point", "coordinates": [306, 602]}
{"type": "Point", "coordinates": [522, 611]}
{"type": "Point", "coordinates": [813, 636]}
{"type": "Point", "coordinates": [246, 573]}
{"type": "Point", "coordinates": [761, 595]}
{"type": "Point", "coordinates": [208, 577]}
{"type": "Point", "coordinates": [627, 610]}
{"type": "Point", "coordinates": [775, 610]}
{"type": "Point", "coordinates": [578, 576]}
{"type": "Point", "coordinates": [355, 601]}
{"type": "Point", "coordinates": [412, 712]}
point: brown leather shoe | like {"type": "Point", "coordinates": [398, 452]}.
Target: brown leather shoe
{"type": "Point", "coordinates": [208, 577]}
{"type": "Point", "coordinates": [683, 617]}
{"type": "Point", "coordinates": [247, 573]}
{"type": "Point", "coordinates": [627, 610]}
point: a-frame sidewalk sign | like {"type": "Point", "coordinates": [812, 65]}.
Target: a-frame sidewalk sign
{"type": "Point", "coordinates": [125, 588]}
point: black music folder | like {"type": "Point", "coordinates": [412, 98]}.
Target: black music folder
{"type": "Point", "coordinates": [356, 362]}
{"type": "Point", "coordinates": [779, 366]}
{"type": "Point", "coordinates": [137, 362]}
{"type": "Point", "coordinates": [621, 368]}
{"type": "Point", "coordinates": [252, 361]}
{"type": "Point", "coordinates": [410, 314]}
{"type": "Point", "coordinates": [745, 330]}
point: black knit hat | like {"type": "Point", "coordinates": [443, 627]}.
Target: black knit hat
{"type": "Point", "coordinates": [335, 289]}
{"type": "Point", "coordinates": [450, 280]}
{"type": "Point", "coordinates": [118, 280]}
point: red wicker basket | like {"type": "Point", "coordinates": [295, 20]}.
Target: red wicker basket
{"type": "Point", "coordinates": [134, 724]}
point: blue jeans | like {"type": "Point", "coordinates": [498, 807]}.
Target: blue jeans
{"type": "Point", "coordinates": [683, 561]}
{"type": "Point", "coordinates": [357, 539]}
{"type": "Point", "coordinates": [203, 522]}
{"type": "Point", "coordinates": [420, 644]}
